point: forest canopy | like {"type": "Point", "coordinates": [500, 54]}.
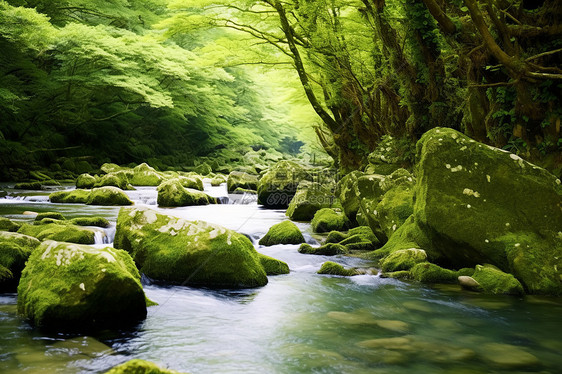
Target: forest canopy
{"type": "Point", "coordinates": [185, 78]}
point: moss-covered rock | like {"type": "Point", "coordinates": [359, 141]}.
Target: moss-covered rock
{"type": "Point", "coordinates": [285, 232]}
{"type": "Point", "coordinates": [144, 175]}
{"type": "Point", "coordinates": [332, 268]}
{"type": "Point", "coordinates": [309, 198]}
{"type": "Point", "coordinates": [59, 232]}
{"type": "Point", "coordinates": [358, 238]}
{"type": "Point", "coordinates": [173, 193]}
{"type": "Point", "coordinates": [15, 249]}
{"type": "Point", "coordinates": [494, 281]}
{"type": "Point", "coordinates": [218, 180]}
{"type": "Point", "coordinates": [137, 366]}
{"type": "Point", "coordinates": [242, 191]}
{"type": "Point", "coordinates": [86, 181]}
{"type": "Point", "coordinates": [479, 204]}
{"type": "Point", "coordinates": [8, 225]}
{"type": "Point", "coordinates": [90, 221]}
{"type": "Point", "coordinates": [34, 185]}
{"type": "Point", "coordinates": [336, 237]}
{"type": "Point", "coordinates": [239, 179]}
{"type": "Point", "coordinates": [330, 249]}
{"type": "Point", "coordinates": [403, 259]}
{"type": "Point", "coordinates": [70, 197]}
{"type": "Point", "coordinates": [108, 196]}
{"type": "Point", "coordinates": [53, 215]}
{"type": "Point", "coordinates": [191, 181]}
{"type": "Point", "coordinates": [110, 168]}
{"type": "Point", "coordinates": [327, 219]}
{"type": "Point", "coordinates": [390, 154]}
{"type": "Point", "coordinates": [395, 207]}
{"type": "Point", "coordinates": [196, 253]}
{"type": "Point", "coordinates": [279, 184]}
{"type": "Point", "coordinates": [273, 266]}
{"type": "Point", "coordinates": [69, 286]}
{"type": "Point", "coordinates": [347, 193]}
{"type": "Point", "coordinates": [117, 179]}
{"type": "Point", "coordinates": [427, 272]}
{"type": "Point", "coordinates": [203, 169]}
{"type": "Point", "coordinates": [409, 235]}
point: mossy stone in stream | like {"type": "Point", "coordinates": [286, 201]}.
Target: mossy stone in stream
{"type": "Point", "coordinates": [192, 181]}
{"type": "Point", "coordinates": [395, 207]}
{"type": "Point", "coordinates": [110, 168]}
{"type": "Point", "coordinates": [241, 191]}
{"type": "Point", "coordinates": [144, 175]}
{"type": "Point", "coordinates": [90, 221]}
{"type": "Point", "coordinates": [8, 225]}
{"type": "Point", "coordinates": [330, 249]}
{"type": "Point", "coordinates": [137, 366]}
{"type": "Point", "coordinates": [336, 237]}
{"type": "Point", "coordinates": [195, 253]}
{"type": "Point", "coordinates": [218, 180]}
{"type": "Point", "coordinates": [68, 286]}
{"type": "Point", "coordinates": [427, 272]}
{"type": "Point", "coordinates": [309, 198]}
{"type": "Point", "coordinates": [279, 184]}
{"type": "Point", "coordinates": [332, 268]}
{"type": "Point", "coordinates": [172, 193]}
{"type": "Point", "coordinates": [59, 232]}
{"type": "Point", "coordinates": [108, 196]}
{"type": "Point", "coordinates": [85, 181]}
{"type": "Point", "coordinates": [53, 215]}
{"type": "Point", "coordinates": [117, 179]}
{"type": "Point", "coordinates": [403, 259]}
{"type": "Point", "coordinates": [15, 249]}
{"type": "Point", "coordinates": [409, 235]}
{"type": "Point", "coordinates": [347, 193]}
{"type": "Point", "coordinates": [239, 179]}
{"type": "Point", "coordinates": [282, 233]}
{"type": "Point", "coordinates": [273, 266]}
{"type": "Point", "coordinates": [203, 169]}
{"type": "Point", "coordinates": [35, 185]}
{"type": "Point", "coordinates": [327, 219]}
{"type": "Point", "coordinates": [70, 197]}
{"type": "Point", "coordinates": [494, 281]}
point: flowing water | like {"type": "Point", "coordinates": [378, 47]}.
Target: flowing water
{"type": "Point", "coordinates": [301, 322]}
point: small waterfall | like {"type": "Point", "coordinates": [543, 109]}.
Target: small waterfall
{"type": "Point", "coordinates": [110, 233]}
{"type": "Point", "coordinates": [99, 237]}
{"type": "Point", "coordinates": [223, 199]}
{"type": "Point", "coordinates": [104, 235]}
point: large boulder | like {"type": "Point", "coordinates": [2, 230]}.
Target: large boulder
{"type": "Point", "coordinates": [69, 286]}
{"type": "Point", "coordinates": [273, 266]}
{"type": "Point", "coordinates": [60, 232]}
{"type": "Point", "coordinates": [492, 280]}
{"type": "Point", "coordinates": [15, 249]}
{"type": "Point", "coordinates": [480, 204]}
{"type": "Point", "coordinates": [108, 196]}
{"type": "Point", "coordinates": [85, 181]}
{"type": "Point", "coordinates": [8, 225]}
{"type": "Point", "coordinates": [279, 184]}
{"type": "Point", "coordinates": [347, 193]}
{"type": "Point", "coordinates": [240, 179]}
{"type": "Point", "coordinates": [309, 198]}
{"type": "Point", "coordinates": [172, 193]}
{"type": "Point", "coordinates": [196, 253]}
{"type": "Point", "coordinates": [144, 175]}
{"type": "Point", "coordinates": [117, 179]}
{"type": "Point", "coordinates": [326, 220]}
{"type": "Point", "coordinates": [283, 233]}
{"type": "Point", "coordinates": [78, 196]}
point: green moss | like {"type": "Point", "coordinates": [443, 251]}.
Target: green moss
{"type": "Point", "coordinates": [333, 268]}
{"type": "Point", "coordinates": [110, 168]}
{"type": "Point", "coordinates": [218, 180]}
{"type": "Point", "coordinates": [173, 193]}
{"type": "Point", "coordinates": [68, 286]}
{"type": "Point", "coordinates": [117, 179]}
{"type": "Point", "coordinates": [62, 233]}
{"type": "Point", "coordinates": [193, 181]}
{"type": "Point", "coordinates": [85, 181]}
{"type": "Point", "coordinates": [53, 215]}
{"type": "Point", "coordinates": [243, 180]}
{"type": "Point", "coordinates": [194, 253]}
{"type": "Point", "coordinates": [8, 225]}
{"type": "Point", "coordinates": [395, 207]}
{"type": "Point", "coordinates": [308, 199]}
{"type": "Point", "coordinates": [240, 190]}
{"type": "Point", "coordinates": [403, 259]}
{"type": "Point", "coordinates": [347, 193]}
{"type": "Point", "coordinates": [15, 249]}
{"type": "Point", "coordinates": [402, 274]}
{"type": "Point", "coordinates": [28, 186]}
{"type": "Point", "coordinates": [335, 237]}
{"type": "Point", "coordinates": [427, 272]}
{"type": "Point", "coordinates": [327, 219]}
{"type": "Point", "coordinates": [330, 249]}
{"type": "Point", "coordinates": [108, 196]}
{"type": "Point", "coordinates": [273, 266]}
{"type": "Point", "coordinates": [494, 281]}
{"type": "Point", "coordinates": [283, 233]}
{"type": "Point", "coordinates": [203, 169]}
{"type": "Point", "coordinates": [70, 197]}
{"type": "Point", "coordinates": [144, 175]}
{"type": "Point", "coordinates": [137, 366]}
{"type": "Point", "coordinates": [279, 184]}
{"type": "Point", "coordinates": [90, 221]}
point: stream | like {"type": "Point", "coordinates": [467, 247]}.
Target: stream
{"type": "Point", "coordinates": [301, 322]}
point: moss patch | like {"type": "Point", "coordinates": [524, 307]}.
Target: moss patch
{"type": "Point", "coordinates": [327, 219]}
{"type": "Point", "coordinates": [330, 249]}
{"type": "Point", "coordinates": [494, 281]}
{"type": "Point", "coordinates": [273, 266]}
{"type": "Point", "coordinates": [59, 232]}
{"type": "Point", "coordinates": [172, 193]}
{"type": "Point", "coordinates": [332, 268]}
{"type": "Point", "coordinates": [137, 366]}
{"type": "Point", "coordinates": [15, 249]}
{"type": "Point", "coordinates": [403, 259]}
{"type": "Point", "coordinates": [282, 233]}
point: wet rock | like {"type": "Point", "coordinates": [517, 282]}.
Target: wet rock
{"type": "Point", "coordinates": [137, 366]}
{"type": "Point", "coordinates": [65, 287]}
{"type": "Point", "coordinates": [70, 197]}
{"type": "Point", "coordinates": [189, 252]}
{"type": "Point", "coordinates": [330, 249]}
{"type": "Point", "coordinates": [144, 175]}
{"type": "Point", "coordinates": [309, 198]}
{"type": "Point", "coordinates": [403, 259]}
{"type": "Point", "coordinates": [118, 179]}
{"type": "Point", "coordinates": [279, 184]}
{"type": "Point", "coordinates": [494, 281]}
{"type": "Point", "coordinates": [86, 181]}
{"type": "Point", "coordinates": [332, 268]}
{"type": "Point", "coordinates": [108, 196]}
{"type": "Point", "coordinates": [469, 283]}
{"type": "Point", "coordinates": [172, 193]}
{"type": "Point", "coordinates": [53, 215]}
{"type": "Point", "coordinates": [427, 272]}
{"type": "Point", "coordinates": [273, 266]}
{"type": "Point", "coordinates": [243, 180]}
{"type": "Point", "coordinates": [282, 233]}
{"type": "Point", "coordinates": [15, 249]}
{"type": "Point", "coordinates": [326, 220]}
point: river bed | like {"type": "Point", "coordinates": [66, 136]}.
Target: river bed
{"type": "Point", "coordinates": [301, 322]}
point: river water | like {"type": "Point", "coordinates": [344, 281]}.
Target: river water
{"type": "Point", "coordinates": [301, 322]}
